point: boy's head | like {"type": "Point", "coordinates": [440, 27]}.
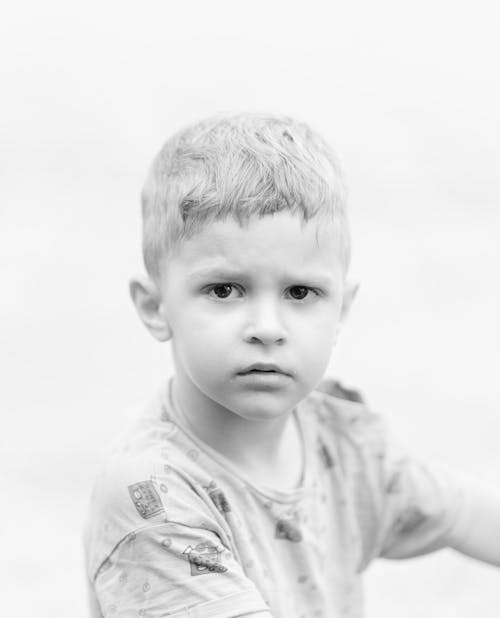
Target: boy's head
{"type": "Point", "coordinates": [241, 166]}
{"type": "Point", "coordinates": [246, 246]}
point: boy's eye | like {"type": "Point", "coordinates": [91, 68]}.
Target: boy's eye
{"type": "Point", "coordinates": [222, 290]}
{"type": "Point", "coordinates": [298, 292]}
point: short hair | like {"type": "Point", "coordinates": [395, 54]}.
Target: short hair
{"type": "Point", "coordinates": [239, 166]}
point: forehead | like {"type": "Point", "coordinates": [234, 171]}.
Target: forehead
{"type": "Point", "coordinates": [282, 241]}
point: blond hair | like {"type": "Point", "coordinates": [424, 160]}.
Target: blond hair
{"type": "Point", "coordinates": [239, 166]}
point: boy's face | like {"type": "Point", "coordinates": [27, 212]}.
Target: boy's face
{"type": "Point", "coordinates": [253, 312]}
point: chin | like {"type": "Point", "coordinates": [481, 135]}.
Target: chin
{"type": "Point", "coordinates": [261, 415]}
{"type": "Point", "coordinates": [262, 408]}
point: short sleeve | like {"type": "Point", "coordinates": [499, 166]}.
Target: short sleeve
{"type": "Point", "coordinates": [174, 570]}
{"type": "Point", "coordinates": [423, 506]}
{"type": "Point", "coordinates": [400, 505]}
{"type": "Point", "coordinates": [156, 545]}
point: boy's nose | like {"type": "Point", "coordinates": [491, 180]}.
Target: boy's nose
{"type": "Point", "coordinates": [265, 325]}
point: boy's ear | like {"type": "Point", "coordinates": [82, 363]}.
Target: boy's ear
{"type": "Point", "coordinates": [350, 292]}
{"type": "Point", "coordinates": [148, 301]}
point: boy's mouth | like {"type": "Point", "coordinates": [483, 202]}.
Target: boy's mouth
{"type": "Point", "coordinates": [263, 368]}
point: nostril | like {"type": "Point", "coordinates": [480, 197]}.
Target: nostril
{"type": "Point", "coordinates": [266, 340]}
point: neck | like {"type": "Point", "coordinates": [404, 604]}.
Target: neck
{"type": "Point", "coordinates": [256, 446]}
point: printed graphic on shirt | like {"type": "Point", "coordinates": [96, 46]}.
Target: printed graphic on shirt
{"type": "Point", "coordinates": [325, 455]}
{"type": "Point", "coordinates": [286, 529]}
{"type": "Point", "coordinates": [146, 499]}
{"type": "Point", "coordinates": [205, 558]}
{"type": "Point", "coordinates": [218, 497]}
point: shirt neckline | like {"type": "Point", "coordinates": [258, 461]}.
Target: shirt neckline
{"type": "Point", "coordinates": [281, 495]}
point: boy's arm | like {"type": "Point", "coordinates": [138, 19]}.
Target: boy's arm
{"type": "Point", "coordinates": [478, 534]}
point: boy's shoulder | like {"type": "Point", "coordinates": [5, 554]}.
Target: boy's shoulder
{"type": "Point", "coordinates": [147, 460]}
{"type": "Point", "coordinates": [335, 388]}
{"type": "Point", "coordinates": [148, 478]}
{"type": "Point", "coordinates": [345, 412]}
{"type": "Point", "coordinates": [347, 427]}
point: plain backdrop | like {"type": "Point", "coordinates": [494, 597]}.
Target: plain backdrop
{"type": "Point", "coordinates": [408, 95]}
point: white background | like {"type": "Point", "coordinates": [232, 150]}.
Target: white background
{"type": "Point", "coordinates": [406, 92]}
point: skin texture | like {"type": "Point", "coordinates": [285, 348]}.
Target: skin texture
{"type": "Point", "coordinates": [271, 291]}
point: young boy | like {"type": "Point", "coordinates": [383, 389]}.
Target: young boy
{"type": "Point", "coordinates": [246, 489]}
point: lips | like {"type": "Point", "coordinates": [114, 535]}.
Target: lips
{"type": "Point", "coordinates": [263, 368]}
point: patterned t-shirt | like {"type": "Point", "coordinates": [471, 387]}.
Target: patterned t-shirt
{"type": "Point", "coordinates": [174, 531]}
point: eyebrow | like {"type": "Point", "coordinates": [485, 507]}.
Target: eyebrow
{"type": "Point", "coordinates": [216, 273]}
{"type": "Point", "coordinates": [228, 274]}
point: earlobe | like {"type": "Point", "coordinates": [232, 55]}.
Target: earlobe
{"type": "Point", "coordinates": [148, 301]}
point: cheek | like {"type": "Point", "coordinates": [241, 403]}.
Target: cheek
{"type": "Point", "coordinates": [317, 344]}
{"type": "Point", "coordinates": [319, 328]}
{"type": "Point", "coordinates": [201, 336]}
{"type": "Point", "coordinates": [201, 355]}
{"type": "Point", "coordinates": [315, 340]}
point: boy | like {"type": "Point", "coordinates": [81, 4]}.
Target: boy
{"type": "Point", "coordinates": [246, 490]}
